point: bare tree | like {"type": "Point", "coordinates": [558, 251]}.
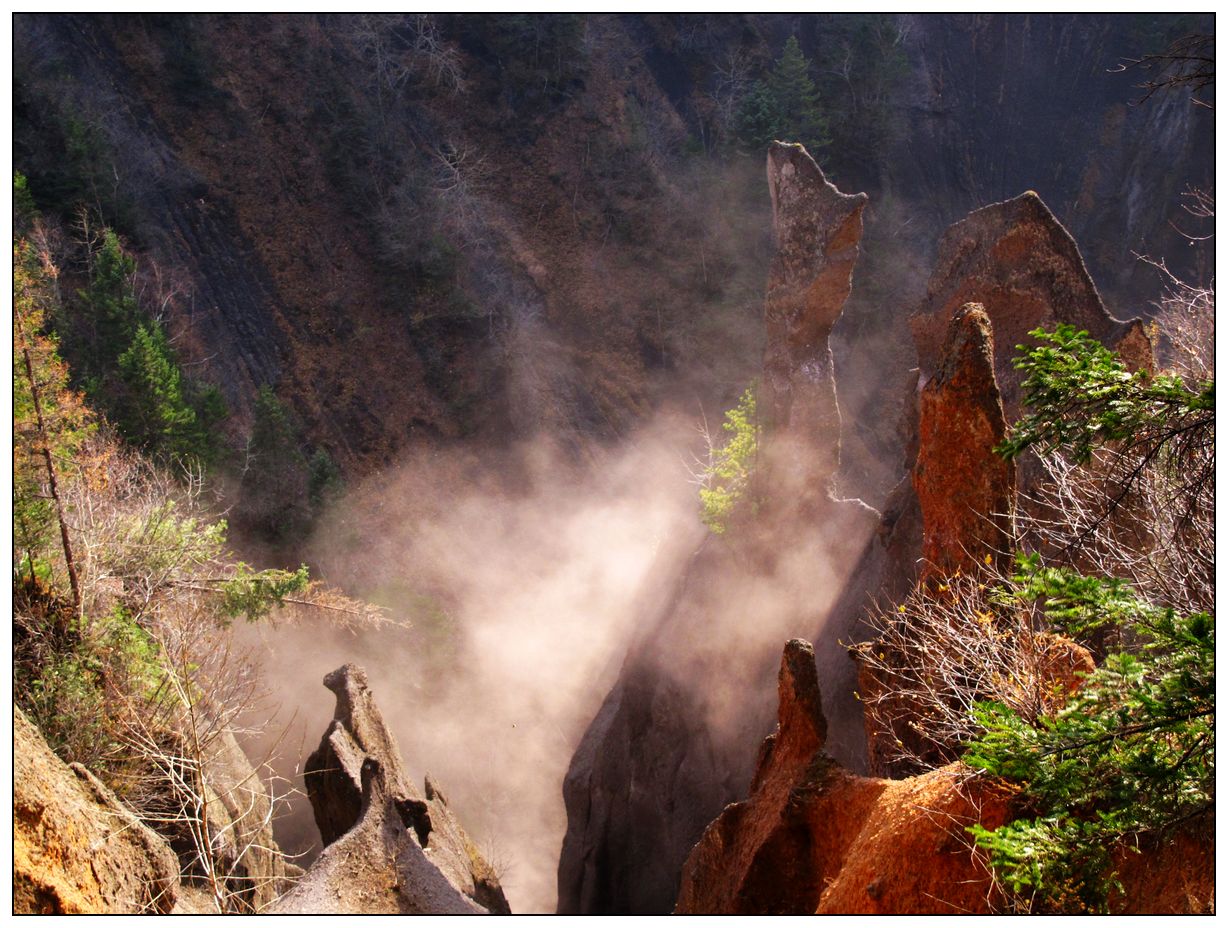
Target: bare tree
{"type": "Point", "coordinates": [947, 646]}
{"type": "Point", "coordinates": [433, 54]}
{"type": "Point", "coordinates": [1185, 313]}
{"type": "Point", "coordinates": [461, 175]}
{"type": "Point", "coordinates": [1186, 64]}
{"type": "Point", "coordinates": [732, 81]}
{"type": "Point", "coordinates": [220, 825]}
{"type": "Point", "coordinates": [400, 47]}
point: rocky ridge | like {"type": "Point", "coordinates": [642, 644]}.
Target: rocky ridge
{"type": "Point", "coordinates": [1019, 264]}
{"type": "Point", "coordinates": [818, 234]}
{"type": "Point", "coordinates": [1008, 268]}
{"type": "Point", "coordinates": [390, 849]}
{"type": "Point", "coordinates": [814, 838]}
{"type": "Point", "coordinates": [1017, 260]}
{"type": "Point", "coordinates": [965, 490]}
{"type": "Point", "coordinates": [76, 848]}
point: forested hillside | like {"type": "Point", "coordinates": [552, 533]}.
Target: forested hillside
{"type": "Point", "coordinates": [556, 223]}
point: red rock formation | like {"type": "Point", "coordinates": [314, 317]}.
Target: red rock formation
{"type": "Point", "coordinates": [1022, 270]}
{"type": "Point", "coordinates": [818, 236]}
{"type": "Point", "coordinates": [965, 490]}
{"type": "Point", "coordinates": [813, 837]}
{"type": "Point", "coordinates": [1019, 262]}
{"type": "Point", "coordinates": [965, 496]}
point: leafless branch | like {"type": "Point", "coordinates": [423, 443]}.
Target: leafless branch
{"type": "Point", "coordinates": [1187, 64]}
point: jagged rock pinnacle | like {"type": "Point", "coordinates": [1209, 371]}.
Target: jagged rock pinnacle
{"type": "Point", "coordinates": [818, 236]}
{"type": "Point", "coordinates": [389, 849]}
{"type": "Point", "coordinates": [965, 490]}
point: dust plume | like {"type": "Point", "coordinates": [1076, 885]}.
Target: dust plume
{"type": "Point", "coordinates": [524, 576]}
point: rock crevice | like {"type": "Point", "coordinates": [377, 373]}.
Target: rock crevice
{"type": "Point", "coordinates": [667, 751]}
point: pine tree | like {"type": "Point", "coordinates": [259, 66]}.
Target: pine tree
{"type": "Point", "coordinates": [110, 310]}
{"type": "Point", "coordinates": [275, 480]}
{"type": "Point", "coordinates": [726, 489]}
{"type": "Point", "coordinates": [153, 413]}
{"type": "Point", "coordinates": [796, 99]}
{"type": "Point", "coordinates": [130, 370]}
{"type": "Point", "coordinates": [323, 479]}
{"type": "Point", "coordinates": [784, 105]}
{"type": "Point", "coordinates": [758, 120]}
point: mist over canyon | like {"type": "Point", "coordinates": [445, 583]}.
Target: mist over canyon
{"type": "Point", "coordinates": [607, 355]}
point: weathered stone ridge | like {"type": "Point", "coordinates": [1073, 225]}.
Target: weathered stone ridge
{"type": "Point", "coordinates": [389, 847]}
{"type": "Point", "coordinates": [650, 772]}
{"type": "Point", "coordinates": [76, 848]}
{"type": "Point", "coordinates": [1021, 264]}
{"type": "Point", "coordinates": [818, 235]}
{"type": "Point", "coordinates": [379, 867]}
{"type": "Point", "coordinates": [966, 491]}
{"type": "Point", "coordinates": [642, 785]}
{"type": "Point", "coordinates": [814, 838]}
{"type": "Point", "coordinates": [333, 772]}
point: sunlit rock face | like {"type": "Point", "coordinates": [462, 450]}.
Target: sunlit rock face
{"type": "Point", "coordinates": [966, 491]}
{"type": "Point", "coordinates": [390, 849]}
{"type": "Point", "coordinates": [818, 238]}
{"type": "Point", "coordinates": [76, 848]}
{"type": "Point", "coordinates": [962, 496]}
{"type": "Point", "coordinates": [1023, 267]}
{"type": "Point", "coordinates": [674, 741]}
{"type": "Point", "coordinates": [1001, 272]}
{"type": "Point", "coordinates": [813, 837]}
{"type": "Point", "coordinates": [1018, 263]}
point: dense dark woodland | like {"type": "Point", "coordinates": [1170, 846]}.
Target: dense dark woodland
{"type": "Point", "coordinates": [267, 265]}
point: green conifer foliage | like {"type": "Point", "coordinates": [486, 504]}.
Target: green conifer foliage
{"type": "Point", "coordinates": [757, 121]}
{"type": "Point", "coordinates": [130, 369]}
{"type": "Point", "coordinates": [109, 310]}
{"type": "Point", "coordinates": [153, 413]}
{"type": "Point", "coordinates": [726, 481]}
{"type": "Point", "coordinates": [275, 480]}
{"type": "Point", "coordinates": [1132, 753]}
{"type": "Point", "coordinates": [784, 105]}
{"type": "Point", "coordinates": [796, 99]}
{"type": "Point", "coordinates": [324, 481]}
